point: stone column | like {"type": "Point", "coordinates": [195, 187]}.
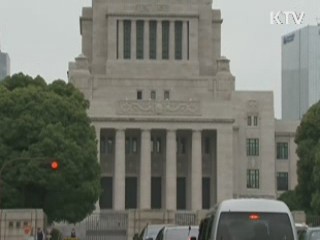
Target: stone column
{"type": "Point", "coordinates": [120, 38]}
{"type": "Point", "coordinates": [119, 172]}
{"type": "Point", "coordinates": [133, 39]}
{"type": "Point", "coordinates": [196, 171]}
{"type": "Point", "coordinates": [185, 40]}
{"type": "Point", "coordinates": [145, 170]}
{"type": "Point", "coordinates": [171, 170]}
{"type": "Point", "coordinates": [224, 163]}
{"type": "Point", "coordinates": [98, 157]}
{"type": "Point", "coordinates": [146, 40]}
{"type": "Point", "coordinates": [171, 40]}
{"type": "Point", "coordinates": [159, 39]}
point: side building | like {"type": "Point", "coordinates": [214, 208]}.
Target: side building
{"type": "Point", "coordinates": [173, 132]}
{"type": "Point", "coordinates": [4, 65]}
{"type": "Point", "coordinates": [300, 71]}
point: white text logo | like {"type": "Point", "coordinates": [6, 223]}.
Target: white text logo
{"type": "Point", "coordinates": [286, 17]}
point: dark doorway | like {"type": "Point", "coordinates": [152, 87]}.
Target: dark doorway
{"type": "Point", "coordinates": [206, 193]}
{"type": "Point", "coordinates": [131, 193]}
{"type": "Point", "coordinates": [105, 200]}
{"type": "Point", "coordinates": [181, 193]}
{"type": "Point", "coordinates": [156, 193]}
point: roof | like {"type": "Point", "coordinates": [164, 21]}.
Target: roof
{"type": "Point", "coordinates": [253, 205]}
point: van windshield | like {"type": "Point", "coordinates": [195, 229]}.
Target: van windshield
{"type": "Point", "coordinates": [254, 226]}
{"type": "Point", "coordinates": [181, 233]}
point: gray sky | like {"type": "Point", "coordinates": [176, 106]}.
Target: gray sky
{"type": "Point", "coordinates": [42, 36]}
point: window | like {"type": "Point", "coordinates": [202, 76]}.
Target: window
{"type": "Point", "coordinates": [10, 224]}
{"type": "Point", "coordinates": [18, 224]}
{"type": "Point", "coordinates": [252, 120]}
{"type": "Point", "coordinates": [134, 145]}
{"type": "Point", "coordinates": [178, 39]}
{"type": "Point", "coordinates": [252, 147]}
{"type": "Point", "coordinates": [131, 145]}
{"type": "Point", "coordinates": [153, 39]}
{"type": "Point", "coordinates": [140, 37]}
{"type": "Point", "coordinates": [165, 39]}
{"type": "Point", "coordinates": [127, 145]}
{"type": "Point", "coordinates": [127, 39]}
{"type": "Point", "coordinates": [158, 145]}
{"type": "Point", "coordinates": [166, 94]}
{"type": "Point", "coordinates": [181, 145]}
{"type": "Point", "coordinates": [282, 150]}
{"type": "Point", "coordinates": [110, 145]}
{"type": "Point", "coordinates": [139, 94]}
{"type": "Point", "coordinates": [152, 145]}
{"type": "Point", "coordinates": [207, 145]}
{"type": "Point", "coordinates": [282, 181]}
{"type": "Point", "coordinates": [102, 145]}
{"type": "Point", "coordinates": [253, 178]}
{"type": "Point", "coordinates": [153, 95]}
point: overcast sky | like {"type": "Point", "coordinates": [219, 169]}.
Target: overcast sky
{"type": "Point", "coordinates": [42, 36]}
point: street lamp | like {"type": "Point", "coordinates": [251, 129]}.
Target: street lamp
{"type": "Point", "coordinates": [54, 164]}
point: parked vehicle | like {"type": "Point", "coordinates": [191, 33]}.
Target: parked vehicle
{"type": "Point", "coordinates": [301, 229]}
{"type": "Point", "coordinates": [178, 233]}
{"type": "Point", "coordinates": [150, 231]}
{"type": "Point", "coordinates": [311, 233]}
{"type": "Point", "coordinates": [253, 219]}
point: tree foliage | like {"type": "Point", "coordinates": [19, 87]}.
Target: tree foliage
{"type": "Point", "coordinates": [308, 150]}
{"type": "Point", "coordinates": [291, 199]}
{"type": "Point", "coordinates": [42, 122]}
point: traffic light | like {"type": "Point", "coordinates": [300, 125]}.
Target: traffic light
{"type": "Point", "coordinates": [54, 165]}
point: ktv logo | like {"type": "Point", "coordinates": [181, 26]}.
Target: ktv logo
{"type": "Point", "coordinates": [286, 17]}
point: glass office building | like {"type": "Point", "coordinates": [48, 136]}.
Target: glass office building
{"type": "Point", "coordinates": [300, 71]}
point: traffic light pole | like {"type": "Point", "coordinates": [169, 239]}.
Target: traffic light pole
{"type": "Point", "coordinates": [11, 161]}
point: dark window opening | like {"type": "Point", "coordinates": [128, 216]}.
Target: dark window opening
{"type": "Point", "coordinates": [181, 193]}
{"type": "Point", "coordinates": [178, 40]}
{"type": "Point", "coordinates": [153, 39]}
{"type": "Point", "coordinates": [140, 38]}
{"type": "Point", "coordinates": [127, 39]}
{"type": "Point", "coordinates": [165, 39]}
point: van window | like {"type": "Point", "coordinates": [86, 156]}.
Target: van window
{"type": "Point", "coordinates": [255, 226]}
{"type": "Point", "coordinates": [178, 233]}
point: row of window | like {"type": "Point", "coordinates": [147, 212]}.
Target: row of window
{"type": "Point", "coordinates": [107, 146]}
{"type": "Point", "coordinates": [165, 37]}
{"type": "Point", "coordinates": [153, 94]}
{"type": "Point", "coordinates": [18, 224]}
{"type": "Point", "coordinates": [253, 179]}
{"type": "Point", "coordinates": [253, 148]}
{"type": "Point", "coordinates": [131, 145]}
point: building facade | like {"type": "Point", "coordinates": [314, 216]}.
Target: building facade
{"type": "Point", "coordinates": [173, 132]}
{"type": "Point", "coordinates": [4, 65]}
{"type": "Point", "coordinates": [300, 71]}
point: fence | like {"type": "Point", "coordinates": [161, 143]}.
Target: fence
{"type": "Point", "coordinates": [123, 225]}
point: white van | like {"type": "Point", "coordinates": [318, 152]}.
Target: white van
{"type": "Point", "coordinates": [248, 219]}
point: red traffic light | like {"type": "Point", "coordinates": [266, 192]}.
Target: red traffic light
{"type": "Point", "coordinates": [54, 165]}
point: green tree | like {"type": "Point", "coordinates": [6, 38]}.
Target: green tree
{"type": "Point", "coordinates": [291, 199]}
{"type": "Point", "coordinates": [49, 121]}
{"type": "Point", "coordinates": [308, 150]}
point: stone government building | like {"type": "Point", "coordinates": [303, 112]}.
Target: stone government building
{"type": "Point", "coordinates": [173, 132]}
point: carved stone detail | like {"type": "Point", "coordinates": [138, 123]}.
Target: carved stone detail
{"type": "Point", "coordinates": [140, 107]}
{"type": "Point", "coordinates": [253, 106]}
{"type": "Point", "coordinates": [146, 8]}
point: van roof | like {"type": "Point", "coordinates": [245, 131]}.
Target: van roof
{"type": "Point", "coordinates": [253, 205]}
